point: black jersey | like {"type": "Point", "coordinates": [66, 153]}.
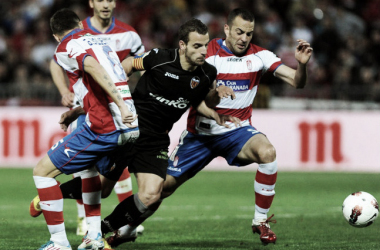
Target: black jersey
{"type": "Point", "coordinates": [166, 91]}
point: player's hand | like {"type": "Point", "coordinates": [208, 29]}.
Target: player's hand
{"type": "Point", "coordinates": [303, 51]}
{"type": "Point", "coordinates": [225, 92]}
{"type": "Point", "coordinates": [68, 100]}
{"type": "Point", "coordinates": [67, 118]}
{"type": "Point", "coordinates": [127, 117]}
{"type": "Point", "coordinates": [222, 119]}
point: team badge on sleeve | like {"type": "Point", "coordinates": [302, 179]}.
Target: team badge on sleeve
{"type": "Point", "coordinates": [194, 82]}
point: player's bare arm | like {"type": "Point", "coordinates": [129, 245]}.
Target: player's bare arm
{"type": "Point", "coordinates": [100, 75]}
{"type": "Point", "coordinates": [69, 116]}
{"type": "Point", "coordinates": [127, 64]}
{"type": "Point", "coordinates": [217, 93]}
{"type": "Point", "coordinates": [59, 79]}
{"type": "Point", "coordinates": [219, 118]}
{"type": "Point", "coordinates": [297, 78]}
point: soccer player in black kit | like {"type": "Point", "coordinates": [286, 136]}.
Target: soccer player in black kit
{"type": "Point", "coordinates": [174, 80]}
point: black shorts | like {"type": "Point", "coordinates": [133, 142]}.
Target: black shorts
{"type": "Point", "coordinates": [150, 155]}
{"type": "Point", "coordinates": [121, 159]}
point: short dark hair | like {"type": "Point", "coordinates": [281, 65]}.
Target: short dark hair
{"type": "Point", "coordinates": [63, 20]}
{"type": "Point", "coordinates": [191, 26]}
{"type": "Point", "coordinates": [243, 13]}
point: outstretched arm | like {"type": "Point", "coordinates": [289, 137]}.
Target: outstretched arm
{"type": "Point", "coordinates": [297, 78]}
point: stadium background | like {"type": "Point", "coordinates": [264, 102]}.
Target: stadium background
{"type": "Point", "coordinates": [331, 124]}
{"type": "Point", "coordinates": [320, 132]}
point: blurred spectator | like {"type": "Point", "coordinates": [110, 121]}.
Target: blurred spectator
{"type": "Point", "coordinates": [345, 35]}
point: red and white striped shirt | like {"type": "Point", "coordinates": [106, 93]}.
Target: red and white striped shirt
{"type": "Point", "coordinates": [242, 74]}
{"type": "Point", "coordinates": [103, 115]}
{"type": "Point", "coordinates": [120, 36]}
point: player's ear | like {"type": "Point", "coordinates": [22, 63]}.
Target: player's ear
{"type": "Point", "coordinates": [91, 3]}
{"type": "Point", "coordinates": [226, 30]}
{"type": "Point", "coordinates": [182, 44]}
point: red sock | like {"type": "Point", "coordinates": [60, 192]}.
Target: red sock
{"type": "Point", "coordinates": [123, 187]}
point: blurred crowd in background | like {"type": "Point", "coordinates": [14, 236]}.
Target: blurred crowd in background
{"type": "Point", "coordinates": [345, 35]}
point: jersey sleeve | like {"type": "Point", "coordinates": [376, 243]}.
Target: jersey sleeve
{"type": "Point", "coordinates": [149, 59]}
{"type": "Point", "coordinates": [269, 59]}
{"type": "Point", "coordinates": [72, 57]}
{"type": "Point", "coordinates": [137, 47]}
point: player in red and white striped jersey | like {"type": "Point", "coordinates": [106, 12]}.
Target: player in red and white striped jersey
{"type": "Point", "coordinates": [110, 125]}
{"type": "Point", "coordinates": [123, 39]}
{"type": "Point", "coordinates": [240, 66]}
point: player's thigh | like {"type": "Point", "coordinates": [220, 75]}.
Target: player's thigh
{"type": "Point", "coordinates": [257, 149]}
{"type": "Point", "coordinates": [46, 168]}
{"type": "Point", "coordinates": [190, 156]}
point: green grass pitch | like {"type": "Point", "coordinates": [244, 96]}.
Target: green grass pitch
{"type": "Point", "coordinates": [213, 211]}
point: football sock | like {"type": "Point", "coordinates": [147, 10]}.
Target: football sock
{"type": "Point", "coordinates": [51, 203]}
{"type": "Point", "coordinates": [265, 181]}
{"type": "Point", "coordinates": [80, 206]}
{"type": "Point", "coordinates": [123, 187]}
{"type": "Point", "coordinates": [92, 186]}
{"type": "Point", "coordinates": [126, 231]}
{"type": "Point", "coordinates": [129, 210]}
{"type": "Point", "coordinates": [72, 189]}
{"type": "Point", "coordinates": [149, 212]}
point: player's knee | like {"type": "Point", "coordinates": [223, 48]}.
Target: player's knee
{"type": "Point", "coordinates": [267, 154]}
{"type": "Point", "coordinates": [149, 197]}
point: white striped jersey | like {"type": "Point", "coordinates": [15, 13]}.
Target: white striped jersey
{"type": "Point", "coordinates": [103, 116]}
{"type": "Point", "coordinates": [120, 36]}
{"type": "Point", "coordinates": [242, 74]}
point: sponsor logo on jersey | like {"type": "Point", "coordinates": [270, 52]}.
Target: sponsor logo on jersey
{"type": "Point", "coordinates": [195, 82]}
{"type": "Point", "coordinates": [180, 103]}
{"type": "Point", "coordinates": [236, 85]}
{"type": "Point", "coordinates": [234, 59]}
{"type": "Point", "coordinates": [95, 41]}
{"type": "Point", "coordinates": [171, 75]}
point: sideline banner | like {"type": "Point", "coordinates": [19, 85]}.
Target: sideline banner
{"type": "Point", "coordinates": [304, 140]}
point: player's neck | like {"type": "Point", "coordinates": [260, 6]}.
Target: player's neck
{"type": "Point", "coordinates": [100, 24]}
{"type": "Point", "coordinates": [184, 63]}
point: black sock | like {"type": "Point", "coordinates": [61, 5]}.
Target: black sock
{"type": "Point", "coordinates": [72, 189]}
{"type": "Point", "coordinates": [126, 212]}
